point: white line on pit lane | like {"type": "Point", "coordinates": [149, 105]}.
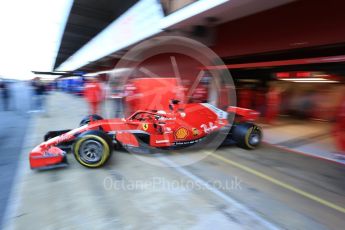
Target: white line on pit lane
{"type": "Point", "coordinates": [218, 193]}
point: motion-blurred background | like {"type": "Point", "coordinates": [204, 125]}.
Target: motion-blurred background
{"type": "Point", "coordinates": [286, 59]}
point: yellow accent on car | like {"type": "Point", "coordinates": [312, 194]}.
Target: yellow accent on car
{"type": "Point", "coordinates": [246, 139]}
{"type": "Point", "coordinates": [105, 154]}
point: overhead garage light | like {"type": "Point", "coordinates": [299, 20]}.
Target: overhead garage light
{"type": "Point", "coordinates": [304, 79]}
{"type": "Point", "coordinates": [321, 75]}
{"type": "Point", "coordinates": [320, 81]}
{"type": "Point", "coordinates": [309, 80]}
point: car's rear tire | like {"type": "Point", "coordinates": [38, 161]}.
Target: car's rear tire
{"type": "Point", "coordinates": [247, 135]}
{"type": "Point", "coordinates": [86, 120]}
{"type": "Point", "coordinates": [92, 149]}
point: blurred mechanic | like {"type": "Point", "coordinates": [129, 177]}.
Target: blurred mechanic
{"type": "Point", "coordinates": [260, 100]}
{"type": "Point", "coordinates": [117, 96]}
{"type": "Point", "coordinates": [93, 94]}
{"type": "Point", "coordinates": [273, 104]}
{"type": "Point", "coordinates": [245, 96]}
{"type": "Point", "coordinates": [339, 128]}
{"type": "Point", "coordinates": [5, 94]}
{"type": "Point", "coordinates": [39, 94]}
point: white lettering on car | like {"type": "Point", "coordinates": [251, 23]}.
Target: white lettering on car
{"type": "Point", "coordinates": [209, 128]}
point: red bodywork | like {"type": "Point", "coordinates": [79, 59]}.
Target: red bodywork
{"type": "Point", "coordinates": [244, 114]}
{"type": "Point", "coordinates": [185, 123]}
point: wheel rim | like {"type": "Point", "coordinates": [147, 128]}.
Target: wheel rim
{"type": "Point", "coordinates": [254, 138]}
{"type": "Point", "coordinates": [91, 151]}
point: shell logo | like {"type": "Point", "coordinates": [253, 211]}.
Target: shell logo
{"type": "Point", "coordinates": [181, 133]}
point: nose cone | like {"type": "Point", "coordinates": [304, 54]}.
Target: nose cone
{"type": "Point", "coordinates": [41, 158]}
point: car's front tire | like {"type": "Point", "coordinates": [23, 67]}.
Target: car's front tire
{"type": "Point", "coordinates": [92, 149]}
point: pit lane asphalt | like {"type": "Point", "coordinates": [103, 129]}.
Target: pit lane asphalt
{"type": "Point", "coordinates": [76, 197]}
{"type": "Point", "coordinates": [292, 190]}
{"type": "Point", "coordinates": [13, 127]}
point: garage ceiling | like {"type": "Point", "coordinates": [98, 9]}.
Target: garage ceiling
{"type": "Point", "coordinates": [86, 19]}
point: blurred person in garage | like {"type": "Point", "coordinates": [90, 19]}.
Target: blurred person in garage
{"type": "Point", "coordinates": [245, 96]}
{"type": "Point", "coordinates": [93, 94]}
{"type": "Point", "coordinates": [339, 128]}
{"type": "Point", "coordinates": [260, 100]}
{"type": "Point", "coordinates": [273, 100]}
{"type": "Point", "coordinates": [117, 96]}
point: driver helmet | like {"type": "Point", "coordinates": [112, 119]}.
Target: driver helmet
{"type": "Point", "coordinates": [161, 112]}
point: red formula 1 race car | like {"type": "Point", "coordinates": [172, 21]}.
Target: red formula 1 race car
{"type": "Point", "coordinates": [182, 125]}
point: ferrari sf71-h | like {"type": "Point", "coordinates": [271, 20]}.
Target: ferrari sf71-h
{"type": "Point", "coordinates": [177, 127]}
